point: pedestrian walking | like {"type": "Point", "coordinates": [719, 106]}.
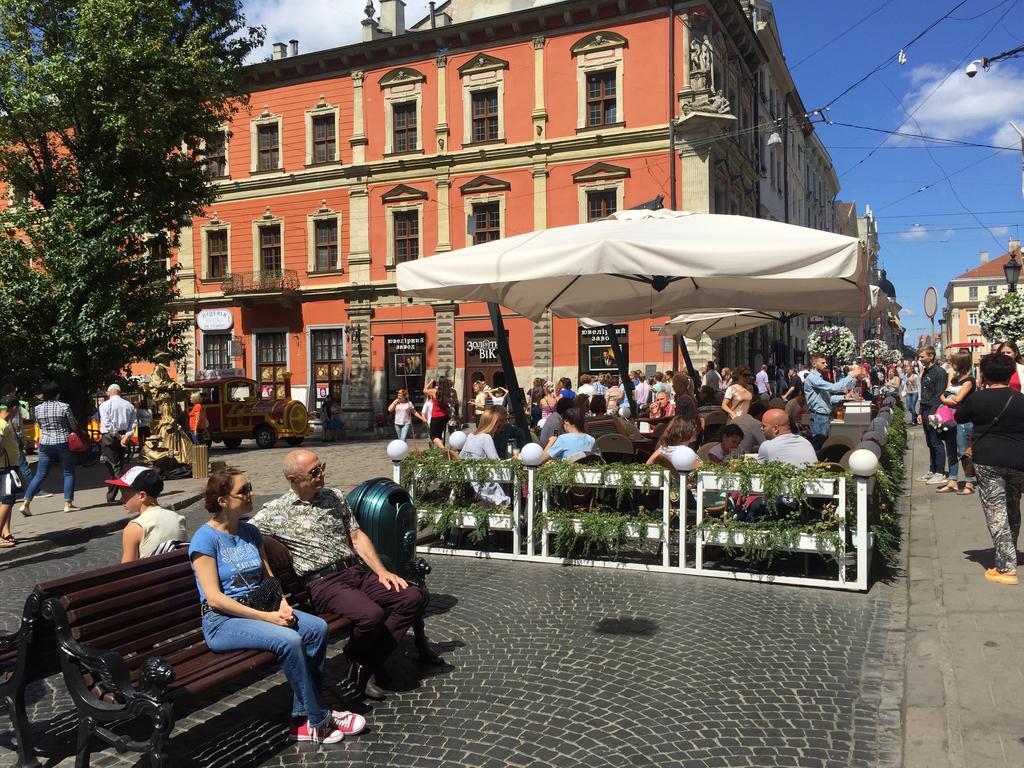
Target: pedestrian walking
{"type": "Point", "coordinates": [957, 438]}
{"type": "Point", "coordinates": [444, 403]}
{"type": "Point", "coordinates": [997, 413]}
{"type": "Point", "coordinates": [117, 424]}
{"type": "Point", "coordinates": [912, 389]}
{"type": "Point", "coordinates": [56, 423]}
{"type": "Point", "coordinates": [197, 421]}
{"type": "Point", "coordinates": [403, 410]}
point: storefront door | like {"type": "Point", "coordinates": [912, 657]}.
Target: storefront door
{"type": "Point", "coordinates": [481, 364]}
{"type": "Point", "coordinates": [406, 357]}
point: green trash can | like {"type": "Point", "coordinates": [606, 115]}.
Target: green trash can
{"type": "Point", "coordinates": [388, 516]}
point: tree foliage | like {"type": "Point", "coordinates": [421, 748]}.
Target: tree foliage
{"type": "Point", "coordinates": [106, 106]}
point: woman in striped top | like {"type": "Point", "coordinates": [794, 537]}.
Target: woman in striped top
{"type": "Point", "coordinates": [56, 423]}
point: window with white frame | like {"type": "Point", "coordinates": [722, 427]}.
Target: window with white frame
{"type": "Point", "coordinates": [993, 290]}
{"type": "Point", "coordinates": [270, 248]}
{"type": "Point", "coordinates": [266, 142]}
{"type": "Point", "coordinates": [601, 203]}
{"type": "Point", "coordinates": [972, 318]}
{"type": "Point", "coordinates": [599, 70]}
{"type": "Point", "coordinates": [403, 222]}
{"type": "Point", "coordinates": [403, 110]}
{"type": "Point", "coordinates": [216, 351]}
{"type": "Point", "coordinates": [325, 238]}
{"type": "Point", "coordinates": [216, 153]}
{"type": "Point", "coordinates": [322, 133]}
{"type": "Point", "coordinates": [483, 97]}
{"type": "Point", "coordinates": [972, 292]}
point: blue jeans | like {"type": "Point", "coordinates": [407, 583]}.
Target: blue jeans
{"type": "Point", "coordinates": [301, 652]}
{"type": "Point", "coordinates": [48, 456]}
{"type": "Point", "coordinates": [911, 401]}
{"type": "Point", "coordinates": [956, 442]}
{"type": "Point", "coordinates": [402, 430]}
{"type": "Point", "coordinates": [936, 448]}
{"type": "Point", "coordinates": [821, 425]}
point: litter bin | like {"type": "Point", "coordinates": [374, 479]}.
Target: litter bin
{"type": "Point", "coordinates": [200, 461]}
{"type": "Point", "coordinates": [388, 516]}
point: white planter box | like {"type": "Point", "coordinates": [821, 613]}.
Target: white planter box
{"type": "Point", "coordinates": [819, 488]}
{"type": "Point", "coordinates": [857, 412]}
{"type": "Point", "coordinates": [593, 477]}
{"type": "Point", "coordinates": [497, 475]}
{"type": "Point", "coordinates": [806, 543]}
{"type": "Point", "coordinates": [650, 531]}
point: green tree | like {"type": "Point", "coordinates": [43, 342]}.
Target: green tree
{"type": "Point", "coordinates": [105, 107]}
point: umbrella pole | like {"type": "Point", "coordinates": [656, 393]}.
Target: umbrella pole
{"type": "Point", "coordinates": [517, 408]}
{"type": "Point", "coordinates": [623, 365]}
{"type": "Point", "coordinates": [689, 363]}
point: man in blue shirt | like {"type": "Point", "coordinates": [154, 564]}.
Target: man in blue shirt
{"type": "Point", "coordinates": [820, 394]}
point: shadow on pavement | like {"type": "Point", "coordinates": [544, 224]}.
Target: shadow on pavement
{"type": "Point", "coordinates": [43, 557]}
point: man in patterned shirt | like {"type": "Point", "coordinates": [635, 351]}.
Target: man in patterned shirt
{"type": "Point", "coordinates": [340, 566]}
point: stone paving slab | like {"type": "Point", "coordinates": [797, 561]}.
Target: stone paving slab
{"type": "Point", "coordinates": [562, 666]}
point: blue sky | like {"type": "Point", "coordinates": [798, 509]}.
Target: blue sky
{"type": "Point", "coordinates": [931, 229]}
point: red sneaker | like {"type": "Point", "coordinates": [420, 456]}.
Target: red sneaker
{"type": "Point", "coordinates": [327, 733]}
{"type": "Point", "coordinates": [349, 723]}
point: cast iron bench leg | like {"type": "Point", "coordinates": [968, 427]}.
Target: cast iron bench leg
{"type": "Point", "coordinates": [15, 704]}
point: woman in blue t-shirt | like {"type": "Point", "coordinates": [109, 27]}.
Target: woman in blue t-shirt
{"type": "Point", "coordinates": [574, 438]}
{"type": "Point", "coordinates": [228, 559]}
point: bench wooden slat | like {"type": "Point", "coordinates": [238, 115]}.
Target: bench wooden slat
{"type": "Point", "coordinates": [140, 636]}
{"type": "Point", "coordinates": [137, 601]}
{"type": "Point", "coordinates": [140, 570]}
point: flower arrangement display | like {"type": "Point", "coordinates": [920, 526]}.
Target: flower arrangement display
{"type": "Point", "coordinates": [875, 350]}
{"type": "Point", "coordinates": [836, 342]}
{"type": "Point", "coordinates": [895, 356]}
{"type": "Point", "coordinates": [1001, 317]}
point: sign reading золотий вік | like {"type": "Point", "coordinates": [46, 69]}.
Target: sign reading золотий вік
{"type": "Point", "coordinates": [214, 320]}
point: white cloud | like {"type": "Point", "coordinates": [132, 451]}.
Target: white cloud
{"type": "Point", "coordinates": [948, 235]}
{"type": "Point", "coordinates": [915, 233]}
{"type": "Point", "coordinates": [1000, 231]}
{"type": "Point", "coordinates": [907, 312]}
{"type": "Point", "coordinates": [316, 24]}
{"type": "Point", "coordinates": [963, 107]}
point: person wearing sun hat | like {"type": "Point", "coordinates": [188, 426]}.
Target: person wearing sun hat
{"type": "Point", "coordinates": [154, 525]}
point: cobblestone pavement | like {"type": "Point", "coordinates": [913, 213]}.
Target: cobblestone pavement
{"type": "Point", "coordinates": [554, 666]}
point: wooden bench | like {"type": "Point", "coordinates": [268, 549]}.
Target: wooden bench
{"type": "Point", "coordinates": [129, 642]}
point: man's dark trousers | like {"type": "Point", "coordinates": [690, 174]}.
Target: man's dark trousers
{"type": "Point", "coordinates": [381, 616]}
{"type": "Point", "coordinates": [115, 456]}
{"type": "Point", "coordinates": [936, 448]}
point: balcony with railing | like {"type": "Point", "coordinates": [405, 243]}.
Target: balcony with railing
{"type": "Point", "coordinates": [271, 282]}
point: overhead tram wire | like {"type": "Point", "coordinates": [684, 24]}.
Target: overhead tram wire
{"type": "Point", "coordinates": [894, 57]}
{"type": "Point", "coordinates": [933, 183]}
{"type": "Point", "coordinates": [841, 35]}
{"type": "Point", "coordinates": [949, 182]}
{"type": "Point", "coordinates": [932, 92]}
{"type": "Point", "coordinates": [924, 137]}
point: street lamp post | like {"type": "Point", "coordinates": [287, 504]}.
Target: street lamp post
{"type": "Point", "coordinates": [1012, 271]}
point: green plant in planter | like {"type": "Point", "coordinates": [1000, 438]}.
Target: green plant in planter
{"type": "Point", "coordinates": [601, 529]}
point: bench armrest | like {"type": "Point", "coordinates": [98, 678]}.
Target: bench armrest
{"type": "Point", "coordinates": [109, 667]}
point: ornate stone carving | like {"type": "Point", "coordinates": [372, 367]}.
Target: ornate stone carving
{"type": "Point", "coordinates": [538, 42]}
{"type": "Point", "coordinates": [442, 61]}
{"type": "Point", "coordinates": [710, 103]}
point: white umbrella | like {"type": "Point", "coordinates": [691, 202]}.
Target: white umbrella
{"type": "Point", "coordinates": [720, 323]}
{"type": "Point", "coordinates": [637, 264]}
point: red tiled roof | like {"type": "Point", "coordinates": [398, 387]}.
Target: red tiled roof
{"type": "Point", "coordinates": [991, 268]}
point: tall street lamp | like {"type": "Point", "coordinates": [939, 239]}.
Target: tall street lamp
{"type": "Point", "coordinates": [1012, 271]}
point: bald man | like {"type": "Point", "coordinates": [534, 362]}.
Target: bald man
{"type": "Point", "coordinates": [781, 444]}
{"type": "Point", "coordinates": [340, 567]}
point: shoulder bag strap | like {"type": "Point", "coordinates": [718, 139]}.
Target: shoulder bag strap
{"type": "Point", "coordinates": [1010, 399]}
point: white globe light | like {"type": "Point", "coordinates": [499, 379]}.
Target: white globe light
{"type": "Point", "coordinates": [456, 440]}
{"type": "Point", "coordinates": [531, 454]}
{"type": "Point", "coordinates": [684, 458]}
{"type": "Point", "coordinates": [863, 463]}
{"type": "Point", "coordinates": [398, 450]}
{"type": "Point", "coordinates": [872, 447]}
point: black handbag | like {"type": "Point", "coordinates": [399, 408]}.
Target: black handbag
{"type": "Point", "coordinates": [265, 596]}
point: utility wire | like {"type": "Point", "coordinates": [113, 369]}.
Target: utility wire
{"type": "Point", "coordinates": [895, 56]}
{"type": "Point", "coordinates": [923, 137]}
{"type": "Point", "coordinates": [841, 35]}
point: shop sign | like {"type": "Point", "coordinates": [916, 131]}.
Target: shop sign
{"type": "Point", "coordinates": [596, 354]}
{"type": "Point", "coordinates": [406, 354]}
{"type": "Point", "coordinates": [215, 320]}
{"type": "Point", "coordinates": [482, 351]}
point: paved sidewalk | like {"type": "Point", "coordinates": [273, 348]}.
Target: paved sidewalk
{"type": "Point", "coordinates": [49, 526]}
{"type": "Point", "coordinates": [965, 660]}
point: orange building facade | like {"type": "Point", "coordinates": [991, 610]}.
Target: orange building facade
{"type": "Point", "coordinates": [349, 161]}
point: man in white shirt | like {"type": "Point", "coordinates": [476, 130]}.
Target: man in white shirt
{"type": "Point", "coordinates": [585, 387]}
{"type": "Point", "coordinates": [117, 425]}
{"type": "Point", "coordinates": [764, 387]}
